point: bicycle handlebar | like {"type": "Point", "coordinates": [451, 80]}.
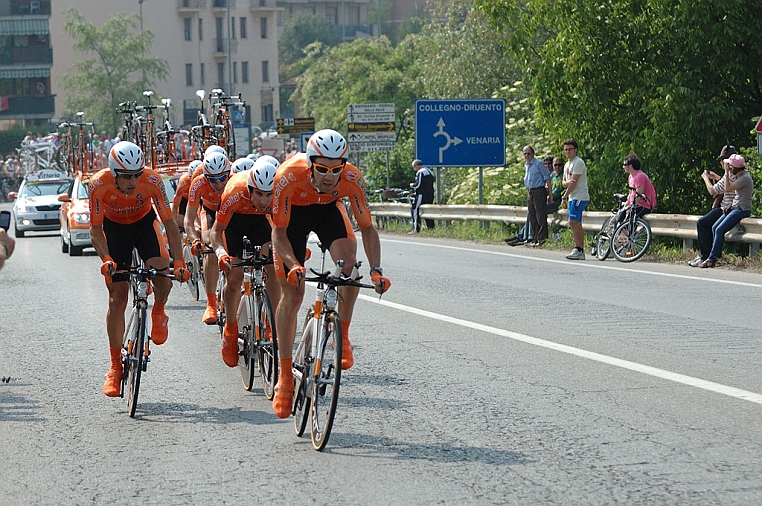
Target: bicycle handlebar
{"type": "Point", "coordinates": [144, 273]}
{"type": "Point", "coordinates": [331, 280]}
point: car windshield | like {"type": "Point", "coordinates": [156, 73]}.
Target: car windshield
{"type": "Point", "coordinates": [81, 190]}
{"type": "Point", "coordinates": [170, 185]}
{"type": "Point", "coordinates": [35, 189]}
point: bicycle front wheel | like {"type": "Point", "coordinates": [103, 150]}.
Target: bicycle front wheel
{"type": "Point", "coordinates": [326, 381]}
{"type": "Point", "coordinates": [221, 304]}
{"type": "Point", "coordinates": [603, 239]}
{"type": "Point", "coordinates": [191, 263]}
{"type": "Point", "coordinates": [302, 373]}
{"type": "Point", "coordinates": [246, 341]}
{"type": "Point", "coordinates": [631, 240]}
{"type": "Point", "coordinates": [133, 366]}
{"type": "Point", "coordinates": [267, 343]}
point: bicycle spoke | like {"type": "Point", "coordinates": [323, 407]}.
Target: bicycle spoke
{"type": "Point", "coordinates": [327, 378]}
{"type": "Point", "coordinates": [267, 344]}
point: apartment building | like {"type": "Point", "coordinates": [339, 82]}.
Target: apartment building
{"type": "Point", "coordinates": [26, 59]}
{"type": "Point", "coordinates": [226, 44]}
{"type": "Point", "coordinates": [349, 18]}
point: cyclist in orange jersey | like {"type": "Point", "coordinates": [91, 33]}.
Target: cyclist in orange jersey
{"type": "Point", "coordinates": [307, 198]}
{"type": "Point", "coordinates": [122, 217]}
{"type": "Point", "coordinates": [205, 192]}
{"type": "Point", "coordinates": [180, 200]}
{"type": "Point", "coordinates": [244, 211]}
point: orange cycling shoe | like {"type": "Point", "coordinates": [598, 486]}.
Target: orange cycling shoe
{"type": "Point", "coordinates": [347, 356]}
{"type": "Point", "coordinates": [210, 315]}
{"type": "Point", "coordinates": [230, 344]}
{"type": "Point", "coordinates": [159, 330]}
{"type": "Point", "coordinates": [284, 395]}
{"type": "Point", "coordinates": [113, 384]}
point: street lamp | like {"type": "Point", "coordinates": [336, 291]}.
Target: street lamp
{"type": "Point", "coordinates": [140, 2]}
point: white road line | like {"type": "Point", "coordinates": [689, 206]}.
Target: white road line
{"type": "Point", "coordinates": [590, 265]}
{"type": "Point", "coordinates": [737, 393]}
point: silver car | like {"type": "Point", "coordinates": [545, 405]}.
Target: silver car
{"type": "Point", "coordinates": [37, 206]}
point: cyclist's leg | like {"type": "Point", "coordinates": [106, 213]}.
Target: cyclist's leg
{"type": "Point", "coordinates": [211, 272]}
{"type": "Point", "coordinates": [153, 250]}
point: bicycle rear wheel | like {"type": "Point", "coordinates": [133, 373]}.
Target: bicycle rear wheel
{"type": "Point", "coordinates": [133, 366]}
{"type": "Point", "coordinates": [603, 239]}
{"type": "Point", "coordinates": [247, 351]}
{"type": "Point", "coordinates": [267, 343]}
{"type": "Point", "coordinates": [191, 263]}
{"type": "Point", "coordinates": [221, 304]}
{"type": "Point", "coordinates": [631, 240]}
{"type": "Point", "coordinates": [302, 371]}
{"type": "Point", "coordinates": [327, 378]}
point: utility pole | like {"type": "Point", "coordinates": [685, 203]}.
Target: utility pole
{"type": "Point", "coordinates": [230, 60]}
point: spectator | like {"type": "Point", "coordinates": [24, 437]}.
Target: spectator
{"type": "Point", "coordinates": [722, 200]}
{"type": "Point", "coordinates": [739, 209]}
{"type": "Point", "coordinates": [575, 182]}
{"type": "Point", "coordinates": [7, 245]}
{"type": "Point", "coordinates": [424, 194]}
{"type": "Point", "coordinates": [526, 233]}
{"type": "Point", "coordinates": [640, 183]}
{"type": "Point", "coordinates": [537, 183]}
{"type": "Point", "coordinates": [556, 184]}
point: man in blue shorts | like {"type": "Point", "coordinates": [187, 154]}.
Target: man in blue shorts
{"type": "Point", "coordinates": [577, 194]}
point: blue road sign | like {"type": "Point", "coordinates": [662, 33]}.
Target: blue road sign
{"type": "Point", "coordinates": [460, 133]}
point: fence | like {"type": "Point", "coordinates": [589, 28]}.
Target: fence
{"type": "Point", "coordinates": [681, 226]}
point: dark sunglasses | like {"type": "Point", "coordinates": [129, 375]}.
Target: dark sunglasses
{"type": "Point", "coordinates": [216, 179]}
{"type": "Point", "coordinates": [130, 175]}
{"type": "Point", "coordinates": [558, 165]}
{"type": "Point", "coordinates": [323, 169]}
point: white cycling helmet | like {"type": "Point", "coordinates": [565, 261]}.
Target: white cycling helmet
{"type": "Point", "coordinates": [215, 149]}
{"type": "Point", "coordinates": [327, 143]}
{"type": "Point", "coordinates": [262, 175]}
{"type": "Point", "coordinates": [271, 159]}
{"type": "Point", "coordinates": [253, 156]}
{"type": "Point", "coordinates": [242, 164]}
{"type": "Point", "coordinates": [193, 166]}
{"type": "Point", "coordinates": [216, 164]}
{"type": "Point", "coordinates": [125, 157]}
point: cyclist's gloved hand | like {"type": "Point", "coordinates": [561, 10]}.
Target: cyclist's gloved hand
{"type": "Point", "coordinates": [197, 247]}
{"type": "Point", "coordinates": [307, 254]}
{"type": "Point", "coordinates": [381, 283]}
{"type": "Point", "coordinates": [296, 274]}
{"type": "Point", "coordinates": [108, 267]}
{"type": "Point", "coordinates": [224, 262]}
{"type": "Point", "coordinates": [181, 273]}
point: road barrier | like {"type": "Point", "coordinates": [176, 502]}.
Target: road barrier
{"type": "Point", "coordinates": [682, 226]}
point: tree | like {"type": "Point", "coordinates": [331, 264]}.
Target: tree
{"type": "Point", "coordinates": [117, 68]}
{"type": "Point", "coordinates": [672, 81]}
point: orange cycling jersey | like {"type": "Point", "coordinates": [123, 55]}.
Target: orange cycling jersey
{"type": "Point", "coordinates": [202, 191]}
{"type": "Point", "coordinates": [293, 187]}
{"type": "Point", "coordinates": [108, 201]}
{"type": "Point", "coordinates": [183, 188]}
{"type": "Point", "coordinates": [236, 199]}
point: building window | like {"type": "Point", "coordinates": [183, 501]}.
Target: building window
{"type": "Point", "coordinates": [235, 71]}
{"type": "Point", "coordinates": [263, 3]}
{"type": "Point", "coordinates": [220, 74]}
{"type": "Point", "coordinates": [265, 71]}
{"type": "Point", "coordinates": [263, 27]}
{"type": "Point", "coordinates": [203, 74]}
{"type": "Point", "coordinates": [232, 28]}
{"type": "Point", "coordinates": [200, 29]}
{"type": "Point", "coordinates": [243, 28]}
{"type": "Point", "coordinates": [187, 28]}
{"type": "Point", "coordinates": [188, 74]}
{"type": "Point", "coordinates": [244, 72]}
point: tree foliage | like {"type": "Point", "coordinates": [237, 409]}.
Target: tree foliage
{"type": "Point", "coordinates": [117, 67]}
{"type": "Point", "coordinates": [300, 31]}
{"type": "Point", "coordinates": [671, 81]}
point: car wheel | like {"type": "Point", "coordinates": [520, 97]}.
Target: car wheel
{"type": "Point", "coordinates": [75, 251]}
{"type": "Point", "coordinates": [19, 233]}
{"type": "Point", "coordinates": [64, 245]}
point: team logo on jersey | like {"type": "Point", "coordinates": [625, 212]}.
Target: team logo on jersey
{"type": "Point", "coordinates": [304, 194]}
{"type": "Point", "coordinates": [351, 176]}
{"type": "Point", "coordinates": [153, 179]}
{"type": "Point", "coordinates": [139, 196]}
{"type": "Point", "coordinates": [335, 193]}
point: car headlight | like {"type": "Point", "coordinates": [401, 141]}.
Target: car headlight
{"type": "Point", "coordinates": [82, 217]}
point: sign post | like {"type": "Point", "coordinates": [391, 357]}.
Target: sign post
{"type": "Point", "coordinates": [290, 126]}
{"type": "Point", "coordinates": [371, 127]}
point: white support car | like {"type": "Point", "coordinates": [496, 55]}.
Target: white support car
{"type": "Point", "coordinates": [36, 204]}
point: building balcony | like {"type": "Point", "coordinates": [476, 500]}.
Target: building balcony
{"type": "Point", "coordinates": [353, 31]}
{"type": "Point", "coordinates": [15, 55]}
{"type": "Point", "coordinates": [221, 47]}
{"type": "Point", "coordinates": [29, 108]}
{"type": "Point", "coordinates": [218, 5]}
{"type": "Point", "coordinates": [191, 5]}
{"type": "Point", "coordinates": [24, 8]}
{"type": "Point", "coordinates": [263, 6]}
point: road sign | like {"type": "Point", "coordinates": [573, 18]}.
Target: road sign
{"type": "Point", "coordinates": [758, 128]}
{"type": "Point", "coordinates": [371, 127]}
{"type": "Point", "coordinates": [460, 133]}
{"type": "Point", "coordinates": [290, 126]}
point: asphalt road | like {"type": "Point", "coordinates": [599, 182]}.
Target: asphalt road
{"type": "Point", "coordinates": [487, 375]}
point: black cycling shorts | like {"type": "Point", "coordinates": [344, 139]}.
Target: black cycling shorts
{"type": "Point", "coordinates": [328, 221]}
{"type": "Point", "coordinates": [254, 226]}
{"type": "Point", "coordinates": [144, 235]}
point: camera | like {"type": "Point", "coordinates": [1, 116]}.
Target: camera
{"type": "Point", "coordinates": [5, 220]}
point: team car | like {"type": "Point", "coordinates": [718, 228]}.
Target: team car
{"type": "Point", "coordinates": [75, 217]}
{"type": "Point", "coordinates": [36, 204]}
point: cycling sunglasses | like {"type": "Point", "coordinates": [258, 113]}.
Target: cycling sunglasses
{"type": "Point", "coordinates": [217, 179]}
{"type": "Point", "coordinates": [130, 175]}
{"type": "Point", "coordinates": [323, 169]}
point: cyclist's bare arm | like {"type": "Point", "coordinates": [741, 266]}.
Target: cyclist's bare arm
{"type": "Point", "coordinates": [216, 236]}
{"type": "Point", "coordinates": [98, 238]}
{"type": "Point", "coordinates": [191, 212]}
{"type": "Point", "coordinates": [282, 245]}
{"type": "Point", "coordinates": [175, 239]}
{"type": "Point", "coordinates": [372, 245]}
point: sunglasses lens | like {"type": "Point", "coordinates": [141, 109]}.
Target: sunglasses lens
{"type": "Point", "coordinates": [130, 175]}
{"type": "Point", "coordinates": [322, 169]}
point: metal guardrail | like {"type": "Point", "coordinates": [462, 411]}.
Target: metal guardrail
{"type": "Point", "coordinates": [682, 226]}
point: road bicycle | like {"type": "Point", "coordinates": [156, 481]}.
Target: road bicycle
{"type": "Point", "coordinates": [135, 344]}
{"type": "Point", "coordinates": [317, 360]}
{"type": "Point", "coordinates": [39, 155]}
{"type": "Point", "coordinates": [147, 135]}
{"type": "Point", "coordinates": [221, 106]}
{"type": "Point", "coordinates": [257, 339]}
{"type": "Point", "coordinates": [195, 266]}
{"type": "Point", "coordinates": [624, 233]}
